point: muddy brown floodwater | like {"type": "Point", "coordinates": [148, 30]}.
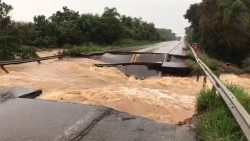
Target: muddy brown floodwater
{"type": "Point", "coordinates": [167, 99]}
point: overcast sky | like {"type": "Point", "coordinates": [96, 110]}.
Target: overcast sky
{"type": "Point", "coordinates": [163, 13]}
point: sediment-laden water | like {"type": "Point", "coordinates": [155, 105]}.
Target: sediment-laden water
{"type": "Point", "coordinates": [167, 99]}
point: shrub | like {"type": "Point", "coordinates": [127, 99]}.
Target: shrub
{"type": "Point", "coordinates": [216, 123]}
{"type": "Point", "coordinates": [194, 66]}
{"type": "Point", "coordinates": [27, 52]}
{"type": "Point", "coordinates": [196, 69]}
{"type": "Point", "coordinates": [246, 64]}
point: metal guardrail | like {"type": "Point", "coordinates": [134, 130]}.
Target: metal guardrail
{"type": "Point", "coordinates": [238, 111]}
{"type": "Point", "coordinates": [22, 61]}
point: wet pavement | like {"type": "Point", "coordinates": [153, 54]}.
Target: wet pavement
{"type": "Point", "coordinates": [164, 47]}
{"type": "Point", "coordinates": [32, 119]}
{"type": "Point", "coordinates": [26, 119]}
{"type": "Point", "coordinates": [124, 127]}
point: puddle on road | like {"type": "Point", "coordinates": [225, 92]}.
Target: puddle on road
{"type": "Point", "coordinates": [167, 99]}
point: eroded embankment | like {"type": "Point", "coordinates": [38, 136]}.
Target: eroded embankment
{"type": "Point", "coordinates": [168, 99]}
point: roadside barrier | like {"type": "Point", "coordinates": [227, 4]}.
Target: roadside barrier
{"type": "Point", "coordinates": [238, 111]}
{"type": "Point", "coordinates": [22, 61]}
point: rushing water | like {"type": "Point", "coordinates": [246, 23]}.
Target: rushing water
{"type": "Point", "coordinates": [167, 99]}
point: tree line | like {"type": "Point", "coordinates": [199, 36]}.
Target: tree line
{"type": "Point", "coordinates": [69, 27]}
{"type": "Point", "coordinates": [222, 27]}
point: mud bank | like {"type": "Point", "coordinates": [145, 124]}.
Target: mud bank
{"type": "Point", "coordinates": [168, 99]}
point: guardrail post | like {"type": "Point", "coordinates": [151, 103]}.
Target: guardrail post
{"type": "Point", "coordinates": [197, 78]}
{"type": "Point", "coordinates": [204, 81]}
{"type": "Point", "coordinates": [60, 57]}
{"type": "Point", "coordinates": [4, 69]}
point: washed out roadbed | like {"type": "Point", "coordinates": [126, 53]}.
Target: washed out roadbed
{"type": "Point", "coordinates": [167, 99]}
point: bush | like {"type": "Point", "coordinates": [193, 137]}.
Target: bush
{"type": "Point", "coordinates": [27, 52]}
{"type": "Point", "coordinates": [194, 66]}
{"type": "Point", "coordinates": [246, 64]}
{"type": "Point", "coordinates": [23, 52]}
{"type": "Point", "coordinates": [196, 69]}
{"type": "Point", "coordinates": [216, 123]}
{"type": "Point", "coordinates": [211, 63]}
{"type": "Point", "coordinates": [190, 54]}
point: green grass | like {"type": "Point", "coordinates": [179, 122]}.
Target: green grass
{"type": "Point", "coordinates": [196, 69]}
{"type": "Point", "coordinates": [123, 45]}
{"type": "Point", "coordinates": [216, 123]}
{"type": "Point", "coordinates": [210, 62]}
{"type": "Point", "coordinates": [190, 54]}
{"type": "Point", "coordinates": [194, 66]}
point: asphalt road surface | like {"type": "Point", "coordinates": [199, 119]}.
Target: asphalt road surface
{"type": "Point", "coordinates": [170, 47]}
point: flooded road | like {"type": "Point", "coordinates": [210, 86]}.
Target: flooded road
{"type": "Point", "coordinates": [162, 59]}
{"type": "Point", "coordinates": [77, 80]}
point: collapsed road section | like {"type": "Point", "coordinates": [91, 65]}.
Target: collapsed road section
{"type": "Point", "coordinates": [32, 119]}
{"type": "Point", "coordinates": [157, 61]}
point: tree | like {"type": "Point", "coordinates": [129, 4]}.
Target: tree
{"type": "Point", "coordinates": [9, 42]}
{"type": "Point", "coordinates": [110, 12]}
{"type": "Point", "coordinates": [67, 24]}
{"type": "Point", "coordinates": [166, 34]}
{"type": "Point", "coordinates": [45, 32]}
{"type": "Point", "coordinates": [222, 27]}
{"type": "Point", "coordinates": [69, 27]}
{"type": "Point", "coordinates": [189, 31]}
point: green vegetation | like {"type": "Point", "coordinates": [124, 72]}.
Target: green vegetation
{"type": "Point", "coordinates": [222, 27]}
{"type": "Point", "coordinates": [70, 28]}
{"type": "Point", "coordinates": [10, 44]}
{"type": "Point", "coordinates": [210, 62]}
{"type": "Point", "coordinates": [246, 64]}
{"type": "Point", "coordinates": [166, 34]}
{"type": "Point", "coordinates": [215, 121]}
{"type": "Point", "coordinates": [196, 69]}
{"type": "Point", "coordinates": [194, 66]}
{"type": "Point", "coordinates": [123, 45]}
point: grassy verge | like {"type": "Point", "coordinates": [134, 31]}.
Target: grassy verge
{"type": "Point", "coordinates": [124, 45]}
{"type": "Point", "coordinates": [210, 62]}
{"type": "Point", "coordinates": [215, 121]}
